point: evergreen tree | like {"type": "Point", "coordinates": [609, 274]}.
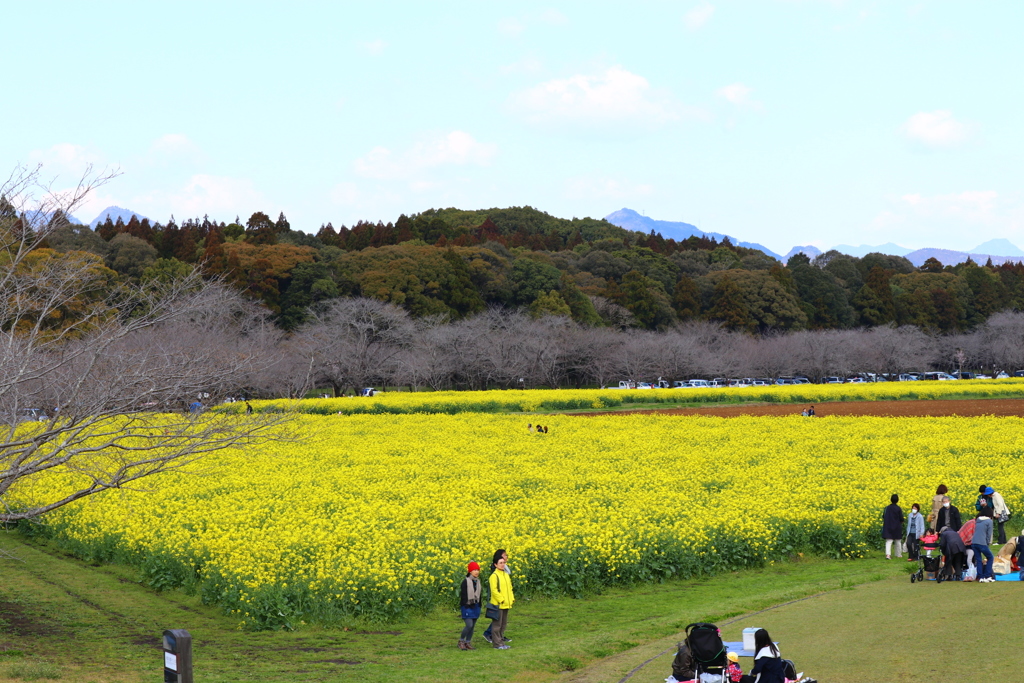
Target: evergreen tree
{"type": "Point", "coordinates": [728, 306]}
{"type": "Point", "coordinates": [686, 298]}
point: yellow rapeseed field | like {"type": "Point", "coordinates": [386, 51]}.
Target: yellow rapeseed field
{"type": "Point", "coordinates": [540, 400]}
{"type": "Point", "coordinates": [372, 515]}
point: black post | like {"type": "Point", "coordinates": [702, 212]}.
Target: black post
{"type": "Point", "coordinates": [177, 656]}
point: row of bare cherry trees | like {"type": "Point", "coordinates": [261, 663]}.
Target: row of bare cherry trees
{"type": "Point", "coordinates": [355, 343]}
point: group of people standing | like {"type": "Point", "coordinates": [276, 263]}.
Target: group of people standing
{"type": "Point", "coordinates": [500, 602]}
{"type": "Point", "coordinates": [944, 524]}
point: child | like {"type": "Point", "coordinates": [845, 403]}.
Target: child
{"type": "Point", "coordinates": [929, 542]}
{"type": "Point", "coordinates": [733, 672]}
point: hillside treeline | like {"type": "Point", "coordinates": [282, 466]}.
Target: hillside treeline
{"type": "Point", "coordinates": [456, 264]}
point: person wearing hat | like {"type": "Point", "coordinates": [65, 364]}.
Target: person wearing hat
{"type": "Point", "coordinates": [469, 599]}
{"type": "Point", "coordinates": [733, 672]}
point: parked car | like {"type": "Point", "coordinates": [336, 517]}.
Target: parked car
{"type": "Point", "coordinates": [832, 380]}
{"type": "Point", "coordinates": [943, 376]}
{"type": "Point", "coordinates": [907, 377]}
{"type": "Point", "coordinates": [32, 414]}
{"type": "Point", "coordinates": [1002, 375]}
{"type": "Point", "coordinates": [801, 380]}
{"type": "Point", "coordinates": [856, 380]}
{"type": "Point", "coordinates": [699, 383]}
{"type": "Point", "coordinates": [759, 383]}
{"type": "Point", "coordinates": [681, 384]}
{"type": "Point", "coordinates": [964, 375]}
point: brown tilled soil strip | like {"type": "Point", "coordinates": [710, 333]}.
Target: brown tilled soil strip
{"type": "Point", "coordinates": [999, 407]}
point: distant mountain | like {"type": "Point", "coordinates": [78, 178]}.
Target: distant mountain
{"type": "Point", "coordinates": [948, 257]}
{"type": "Point", "coordinates": [865, 249]}
{"type": "Point", "coordinates": [114, 212]}
{"type": "Point", "coordinates": [38, 219]}
{"type": "Point", "coordinates": [999, 247]}
{"type": "Point", "coordinates": [677, 230]}
{"type": "Point", "coordinates": [811, 252]}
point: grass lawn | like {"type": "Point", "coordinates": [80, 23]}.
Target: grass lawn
{"type": "Point", "coordinates": [60, 616]}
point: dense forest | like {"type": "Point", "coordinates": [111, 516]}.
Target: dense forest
{"type": "Point", "coordinates": [453, 264]}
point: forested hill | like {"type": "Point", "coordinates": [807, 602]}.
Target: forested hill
{"type": "Point", "coordinates": [455, 263]}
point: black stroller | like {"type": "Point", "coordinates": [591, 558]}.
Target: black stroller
{"type": "Point", "coordinates": [707, 649]}
{"type": "Point", "coordinates": [932, 565]}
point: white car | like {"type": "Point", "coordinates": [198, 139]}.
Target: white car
{"type": "Point", "coordinates": [699, 383]}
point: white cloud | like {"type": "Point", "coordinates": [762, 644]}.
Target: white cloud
{"type": "Point", "coordinates": [65, 159]}
{"type": "Point", "coordinates": [739, 94]}
{"type": "Point", "coordinates": [698, 16]}
{"type": "Point", "coordinates": [612, 96]}
{"type": "Point", "coordinates": [936, 129]}
{"type": "Point", "coordinates": [345, 193]}
{"type": "Point", "coordinates": [605, 189]}
{"type": "Point", "coordinates": [216, 196]}
{"type": "Point", "coordinates": [374, 47]}
{"type": "Point", "coordinates": [457, 148]}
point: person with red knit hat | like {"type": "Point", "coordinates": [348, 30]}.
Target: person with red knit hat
{"type": "Point", "coordinates": [469, 599]}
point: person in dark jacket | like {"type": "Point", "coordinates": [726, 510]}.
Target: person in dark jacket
{"type": "Point", "coordinates": [683, 667]}
{"type": "Point", "coordinates": [768, 664]}
{"type": "Point", "coordinates": [892, 527]}
{"type": "Point", "coordinates": [955, 552]}
{"type": "Point", "coordinates": [948, 515]}
{"type": "Point", "coordinates": [469, 599]}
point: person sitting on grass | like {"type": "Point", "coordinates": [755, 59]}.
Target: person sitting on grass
{"type": "Point", "coordinates": [683, 666]}
{"type": "Point", "coordinates": [768, 664]}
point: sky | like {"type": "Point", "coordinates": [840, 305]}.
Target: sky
{"type": "Point", "coordinates": [783, 122]}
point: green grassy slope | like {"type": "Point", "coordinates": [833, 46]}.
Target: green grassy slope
{"type": "Point", "coordinates": [96, 623]}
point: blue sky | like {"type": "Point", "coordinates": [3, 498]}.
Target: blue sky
{"type": "Point", "coordinates": [779, 121]}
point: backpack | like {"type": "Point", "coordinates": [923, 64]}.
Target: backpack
{"type": "Point", "coordinates": [706, 646]}
{"type": "Point", "coordinates": [789, 669]}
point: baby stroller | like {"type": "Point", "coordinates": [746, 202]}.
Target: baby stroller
{"type": "Point", "coordinates": [708, 651]}
{"type": "Point", "coordinates": [929, 559]}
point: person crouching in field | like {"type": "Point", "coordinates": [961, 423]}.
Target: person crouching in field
{"type": "Point", "coordinates": [503, 599]}
{"type": "Point", "coordinates": [469, 599]}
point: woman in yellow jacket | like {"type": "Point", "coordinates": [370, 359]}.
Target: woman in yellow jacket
{"type": "Point", "coordinates": [503, 598]}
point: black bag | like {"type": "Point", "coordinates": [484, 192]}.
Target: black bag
{"type": "Point", "coordinates": [492, 611]}
{"type": "Point", "coordinates": [706, 646]}
{"type": "Point", "coordinates": [789, 669]}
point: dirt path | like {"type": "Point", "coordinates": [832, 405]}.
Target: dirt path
{"type": "Point", "coordinates": [1000, 407]}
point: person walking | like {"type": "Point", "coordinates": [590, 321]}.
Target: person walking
{"type": "Point", "coordinates": [892, 527]}
{"type": "Point", "coordinates": [980, 544]}
{"type": "Point", "coordinates": [948, 516]}
{"type": "Point", "coordinates": [503, 598]}
{"type": "Point", "coordinates": [937, 506]}
{"type": "Point", "coordinates": [915, 530]}
{"type": "Point", "coordinates": [1000, 512]}
{"type": "Point", "coordinates": [498, 554]}
{"type": "Point", "coordinates": [469, 599]}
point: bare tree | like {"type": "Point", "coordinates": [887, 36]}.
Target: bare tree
{"type": "Point", "coordinates": [357, 342]}
{"type": "Point", "coordinates": [1002, 341]}
{"type": "Point", "coordinates": [96, 378]}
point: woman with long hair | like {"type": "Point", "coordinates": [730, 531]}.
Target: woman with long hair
{"type": "Point", "coordinates": [768, 664]}
{"type": "Point", "coordinates": [469, 600]}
